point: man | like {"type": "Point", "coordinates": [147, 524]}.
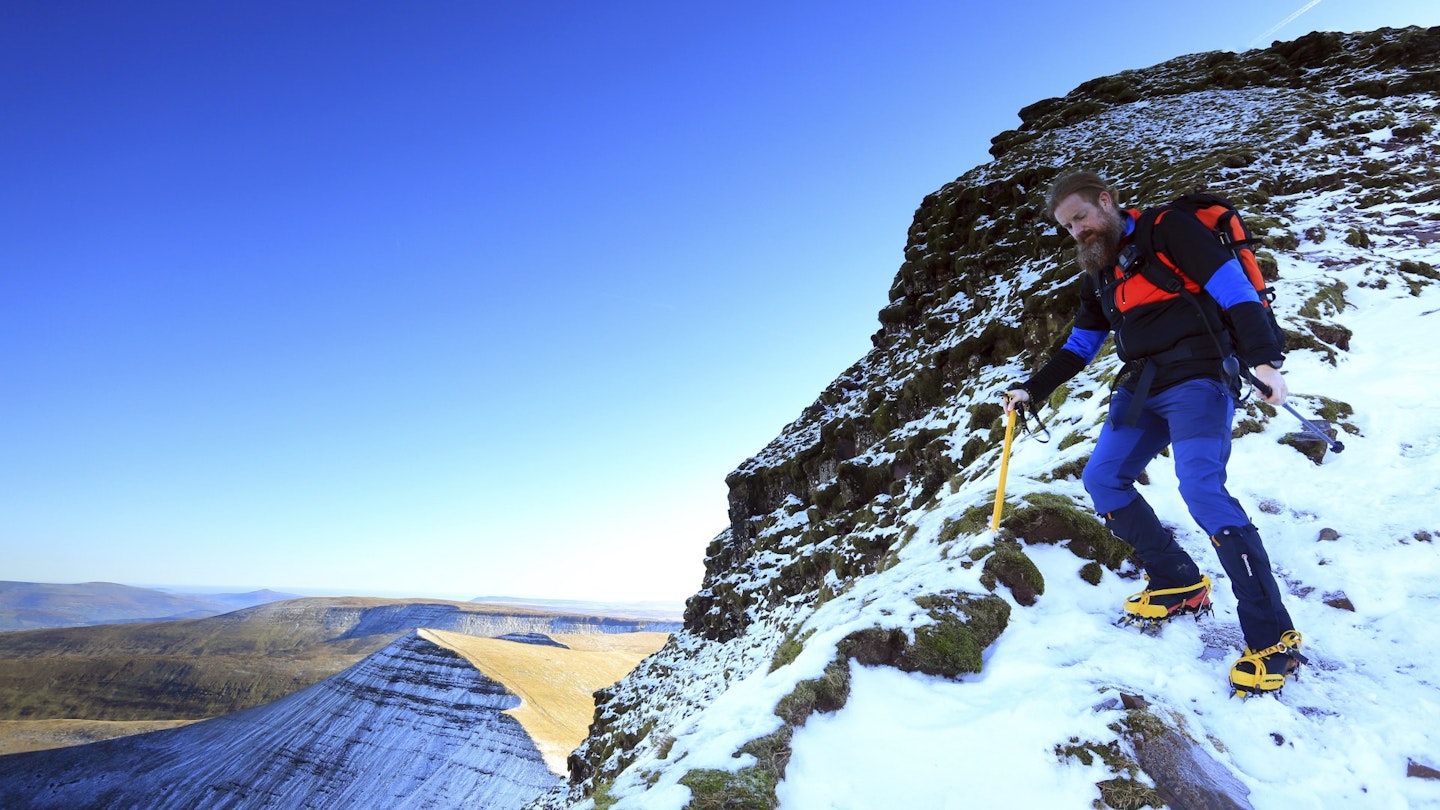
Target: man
{"type": "Point", "coordinates": [1174, 391]}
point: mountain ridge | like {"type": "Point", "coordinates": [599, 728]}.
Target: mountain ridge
{"type": "Point", "coordinates": [349, 741]}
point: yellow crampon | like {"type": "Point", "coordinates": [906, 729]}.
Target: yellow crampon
{"type": "Point", "coordinates": [1265, 671]}
{"type": "Point", "coordinates": [1150, 608]}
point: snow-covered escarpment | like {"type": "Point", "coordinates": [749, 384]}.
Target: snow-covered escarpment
{"type": "Point", "coordinates": [412, 726]}
{"type": "Point", "coordinates": [864, 640]}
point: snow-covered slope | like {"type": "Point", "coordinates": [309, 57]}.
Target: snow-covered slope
{"type": "Point", "coordinates": [412, 726]}
{"type": "Point", "coordinates": [863, 640]}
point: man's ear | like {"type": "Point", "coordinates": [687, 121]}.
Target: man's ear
{"type": "Point", "coordinates": [1103, 200]}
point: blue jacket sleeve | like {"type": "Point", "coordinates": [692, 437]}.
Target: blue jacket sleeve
{"type": "Point", "coordinates": [1086, 342]}
{"type": "Point", "coordinates": [1229, 286]}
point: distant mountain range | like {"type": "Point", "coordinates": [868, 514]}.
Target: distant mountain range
{"type": "Point", "coordinates": [654, 611]}
{"type": "Point", "coordinates": [38, 605]}
{"type": "Point", "coordinates": [41, 605]}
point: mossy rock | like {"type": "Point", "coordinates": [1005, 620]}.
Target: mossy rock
{"type": "Point", "coordinates": [875, 647]}
{"type": "Point", "coordinates": [789, 649]}
{"type": "Point", "coordinates": [1424, 269]}
{"type": "Point", "coordinates": [987, 616]}
{"type": "Point", "coordinates": [1070, 469]}
{"type": "Point", "coordinates": [1245, 427]}
{"type": "Point", "coordinates": [953, 644]}
{"type": "Point", "coordinates": [1300, 341]}
{"type": "Point", "coordinates": [973, 450]}
{"type": "Point", "coordinates": [974, 520]}
{"type": "Point", "coordinates": [1127, 793]}
{"type": "Point", "coordinates": [1053, 519]}
{"type": "Point", "coordinates": [745, 789]}
{"type": "Point", "coordinates": [947, 649]}
{"type": "Point", "coordinates": [1328, 301]}
{"type": "Point", "coordinates": [1331, 333]}
{"type": "Point", "coordinates": [825, 694]}
{"type": "Point", "coordinates": [1009, 566]}
{"type": "Point", "coordinates": [983, 415]}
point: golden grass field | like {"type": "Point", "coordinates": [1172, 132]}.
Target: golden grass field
{"type": "Point", "coordinates": [556, 686]}
{"type": "Point", "coordinates": [19, 736]}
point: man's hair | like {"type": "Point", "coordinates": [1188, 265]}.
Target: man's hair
{"type": "Point", "coordinates": [1088, 185]}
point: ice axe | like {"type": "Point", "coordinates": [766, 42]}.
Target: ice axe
{"type": "Point", "coordinates": [1004, 467]}
{"type": "Point", "coordinates": [1334, 445]}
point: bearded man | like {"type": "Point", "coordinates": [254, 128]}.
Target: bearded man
{"type": "Point", "coordinates": [1175, 390]}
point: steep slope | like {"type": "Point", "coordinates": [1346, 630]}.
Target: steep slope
{"type": "Point", "coordinates": [415, 725]}
{"type": "Point", "coordinates": [861, 627]}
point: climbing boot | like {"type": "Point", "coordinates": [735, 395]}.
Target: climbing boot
{"type": "Point", "coordinates": [1265, 671]}
{"type": "Point", "coordinates": [1150, 608]}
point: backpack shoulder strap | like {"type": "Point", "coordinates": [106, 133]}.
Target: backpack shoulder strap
{"type": "Point", "coordinates": [1151, 267]}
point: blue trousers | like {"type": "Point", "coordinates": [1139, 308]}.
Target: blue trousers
{"type": "Point", "coordinates": [1194, 419]}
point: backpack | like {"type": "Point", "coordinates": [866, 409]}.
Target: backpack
{"type": "Point", "coordinates": [1223, 220]}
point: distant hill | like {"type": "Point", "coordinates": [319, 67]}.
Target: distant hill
{"type": "Point", "coordinates": [198, 668]}
{"type": "Point", "coordinates": [39, 605]}
{"type": "Point", "coordinates": [654, 611]}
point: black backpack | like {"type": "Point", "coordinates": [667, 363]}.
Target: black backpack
{"type": "Point", "coordinates": [1223, 220]}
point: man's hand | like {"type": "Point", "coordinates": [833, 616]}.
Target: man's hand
{"type": "Point", "coordinates": [1014, 398]}
{"type": "Point", "coordinates": [1270, 375]}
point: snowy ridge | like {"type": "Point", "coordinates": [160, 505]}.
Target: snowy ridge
{"type": "Point", "coordinates": [412, 726]}
{"type": "Point", "coordinates": [865, 509]}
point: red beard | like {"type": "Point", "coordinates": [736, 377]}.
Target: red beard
{"type": "Point", "coordinates": [1099, 248]}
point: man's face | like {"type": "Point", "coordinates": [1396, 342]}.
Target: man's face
{"type": "Point", "coordinates": [1097, 228]}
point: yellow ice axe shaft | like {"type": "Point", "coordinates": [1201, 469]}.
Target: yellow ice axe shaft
{"type": "Point", "coordinates": [1004, 468]}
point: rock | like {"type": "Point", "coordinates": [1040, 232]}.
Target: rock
{"type": "Point", "coordinates": [533, 638]}
{"type": "Point", "coordinates": [1186, 775]}
{"type": "Point", "coordinates": [1418, 771]}
{"type": "Point", "coordinates": [1339, 601]}
{"type": "Point", "coordinates": [1311, 446]}
{"type": "Point", "coordinates": [1133, 701]}
{"type": "Point", "coordinates": [1328, 535]}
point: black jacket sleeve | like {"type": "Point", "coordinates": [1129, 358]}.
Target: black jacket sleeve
{"type": "Point", "coordinates": [1255, 338]}
{"type": "Point", "coordinates": [1065, 364]}
{"type": "Point", "coordinates": [1057, 371]}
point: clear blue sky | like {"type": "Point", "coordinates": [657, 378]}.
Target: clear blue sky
{"type": "Point", "coordinates": [455, 299]}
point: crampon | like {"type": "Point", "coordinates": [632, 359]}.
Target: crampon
{"type": "Point", "coordinates": [1150, 609]}
{"type": "Point", "coordinates": [1266, 671]}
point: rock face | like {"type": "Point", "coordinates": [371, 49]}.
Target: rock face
{"type": "Point", "coordinates": [1328, 137]}
{"type": "Point", "coordinates": [412, 726]}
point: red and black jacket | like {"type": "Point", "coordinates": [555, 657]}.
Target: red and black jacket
{"type": "Point", "coordinates": [1165, 330]}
